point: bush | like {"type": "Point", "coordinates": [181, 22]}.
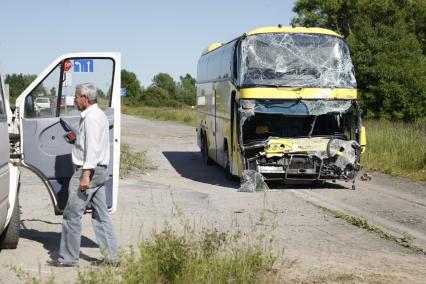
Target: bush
{"type": "Point", "coordinates": [207, 257]}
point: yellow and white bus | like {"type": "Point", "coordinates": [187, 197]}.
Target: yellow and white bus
{"type": "Point", "coordinates": [281, 101]}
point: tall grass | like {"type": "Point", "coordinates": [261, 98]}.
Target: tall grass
{"type": "Point", "coordinates": [186, 115]}
{"type": "Point", "coordinates": [205, 257]}
{"type": "Point", "coordinates": [396, 148]}
{"type": "Point", "coordinates": [133, 161]}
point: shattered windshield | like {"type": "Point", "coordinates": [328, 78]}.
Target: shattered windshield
{"type": "Point", "coordinates": [296, 60]}
{"type": "Point", "coordinates": [261, 119]}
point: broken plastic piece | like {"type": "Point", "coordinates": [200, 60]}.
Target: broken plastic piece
{"type": "Point", "coordinates": [252, 181]}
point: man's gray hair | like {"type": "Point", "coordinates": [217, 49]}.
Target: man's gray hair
{"type": "Point", "coordinates": [89, 91]}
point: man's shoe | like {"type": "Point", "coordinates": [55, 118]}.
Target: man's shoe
{"type": "Point", "coordinates": [57, 263]}
{"type": "Point", "coordinates": [104, 262]}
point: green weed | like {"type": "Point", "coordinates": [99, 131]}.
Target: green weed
{"type": "Point", "coordinates": [186, 115]}
{"type": "Point", "coordinates": [396, 148]}
{"type": "Point", "coordinates": [206, 257]}
{"type": "Point", "coordinates": [131, 161]}
{"type": "Point", "coordinates": [406, 240]}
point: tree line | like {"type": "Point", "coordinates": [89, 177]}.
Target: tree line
{"type": "Point", "coordinates": [387, 40]}
{"type": "Point", "coordinates": [163, 91]}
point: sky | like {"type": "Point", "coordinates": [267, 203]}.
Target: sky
{"type": "Point", "coordinates": [152, 36]}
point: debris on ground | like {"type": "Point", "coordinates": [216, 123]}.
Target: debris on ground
{"type": "Point", "coordinates": [252, 181]}
{"type": "Point", "coordinates": [365, 177]}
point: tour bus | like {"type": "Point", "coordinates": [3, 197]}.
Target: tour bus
{"type": "Point", "coordinates": [42, 141]}
{"type": "Point", "coordinates": [280, 101]}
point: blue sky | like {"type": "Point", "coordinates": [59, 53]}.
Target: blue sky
{"type": "Point", "coordinates": [152, 36]}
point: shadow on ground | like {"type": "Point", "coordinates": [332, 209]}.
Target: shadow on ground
{"type": "Point", "coordinates": [191, 166]}
{"type": "Point", "coordinates": [50, 240]}
{"type": "Point", "coordinates": [275, 185]}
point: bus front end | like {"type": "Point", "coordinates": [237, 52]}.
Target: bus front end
{"type": "Point", "coordinates": [298, 116]}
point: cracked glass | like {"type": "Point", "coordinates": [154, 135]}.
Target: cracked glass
{"type": "Point", "coordinates": [296, 60]}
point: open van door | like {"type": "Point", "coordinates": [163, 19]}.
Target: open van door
{"type": "Point", "coordinates": [46, 132]}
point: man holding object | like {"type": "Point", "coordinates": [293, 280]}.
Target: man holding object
{"type": "Point", "coordinates": [90, 156]}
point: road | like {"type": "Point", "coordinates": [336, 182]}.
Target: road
{"type": "Point", "coordinates": [316, 245]}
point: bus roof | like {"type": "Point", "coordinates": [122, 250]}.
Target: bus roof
{"type": "Point", "coordinates": [281, 29]}
{"type": "Point", "coordinates": [212, 47]}
{"type": "Point", "coordinates": [277, 29]}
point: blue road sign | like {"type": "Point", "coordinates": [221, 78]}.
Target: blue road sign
{"type": "Point", "coordinates": [123, 92]}
{"type": "Point", "coordinates": [83, 65]}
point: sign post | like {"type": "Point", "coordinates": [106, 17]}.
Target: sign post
{"type": "Point", "coordinates": [123, 94]}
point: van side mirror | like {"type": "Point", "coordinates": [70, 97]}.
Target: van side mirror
{"type": "Point", "coordinates": [29, 106]}
{"type": "Point", "coordinates": [363, 139]}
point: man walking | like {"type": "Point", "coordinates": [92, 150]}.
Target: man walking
{"type": "Point", "coordinates": [90, 156]}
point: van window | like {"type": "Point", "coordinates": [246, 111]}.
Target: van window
{"type": "Point", "coordinates": [44, 96]}
{"type": "Point", "coordinates": [52, 98]}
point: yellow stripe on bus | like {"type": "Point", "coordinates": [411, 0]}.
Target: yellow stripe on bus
{"type": "Point", "coordinates": [296, 93]}
{"type": "Point", "coordinates": [277, 29]}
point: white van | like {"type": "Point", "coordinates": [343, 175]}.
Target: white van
{"type": "Point", "coordinates": [9, 178]}
{"type": "Point", "coordinates": [42, 103]}
{"type": "Point", "coordinates": [40, 140]}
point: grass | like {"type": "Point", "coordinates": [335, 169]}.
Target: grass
{"type": "Point", "coordinates": [187, 255]}
{"type": "Point", "coordinates": [131, 161]}
{"type": "Point", "coordinates": [186, 115]}
{"type": "Point", "coordinates": [405, 241]}
{"type": "Point", "coordinates": [209, 256]}
{"type": "Point", "coordinates": [168, 256]}
{"type": "Point", "coordinates": [396, 148]}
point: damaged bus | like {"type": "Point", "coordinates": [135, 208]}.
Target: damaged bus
{"type": "Point", "coordinates": [281, 101]}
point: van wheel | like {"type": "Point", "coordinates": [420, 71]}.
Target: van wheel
{"type": "Point", "coordinates": [10, 237]}
{"type": "Point", "coordinates": [205, 152]}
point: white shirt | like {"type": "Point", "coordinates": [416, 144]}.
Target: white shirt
{"type": "Point", "coordinates": [91, 146]}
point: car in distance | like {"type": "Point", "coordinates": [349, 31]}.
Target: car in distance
{"type": "Point", "coordinates": [42, 103]}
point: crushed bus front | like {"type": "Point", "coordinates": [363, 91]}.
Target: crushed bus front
{"type": "Point", "coordinates": [300, 139]}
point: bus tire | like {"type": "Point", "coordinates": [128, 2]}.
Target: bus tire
{"type": "Point", "coordinates": [205, 151]}
{"type": "Point", "coordinates": [10, 237]}
{"type": "Point", "coordinates": [228, 174]}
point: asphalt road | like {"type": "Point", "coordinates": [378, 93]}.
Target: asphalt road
{"type": "Point", "coordinates": [315, 244]}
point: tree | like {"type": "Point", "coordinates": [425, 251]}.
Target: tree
{"type": "Point", "coordinates": [387, 42]}
{"type": "Point", "coordinates": [166, 82]}
{"type": "Point", "coordinates": [132, 85]}
{"type": "Point", "coordinates": [17, 84]}
{"type": "Point", "coordinates": [187, 89]}
{"type": "Point", "coordinates": [53, 92]}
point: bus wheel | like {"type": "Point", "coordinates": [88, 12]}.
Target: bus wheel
{"type": "Point", "coordinates": [228, 174]}
{"type": "Point", "coordinates": [205, 152]}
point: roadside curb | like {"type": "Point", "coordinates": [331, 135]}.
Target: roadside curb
{"type": "Point", "coordinates": [386, 229]}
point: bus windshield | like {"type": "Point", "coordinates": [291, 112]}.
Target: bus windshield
{"type": "Point", "coordinates": [295, 60]}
